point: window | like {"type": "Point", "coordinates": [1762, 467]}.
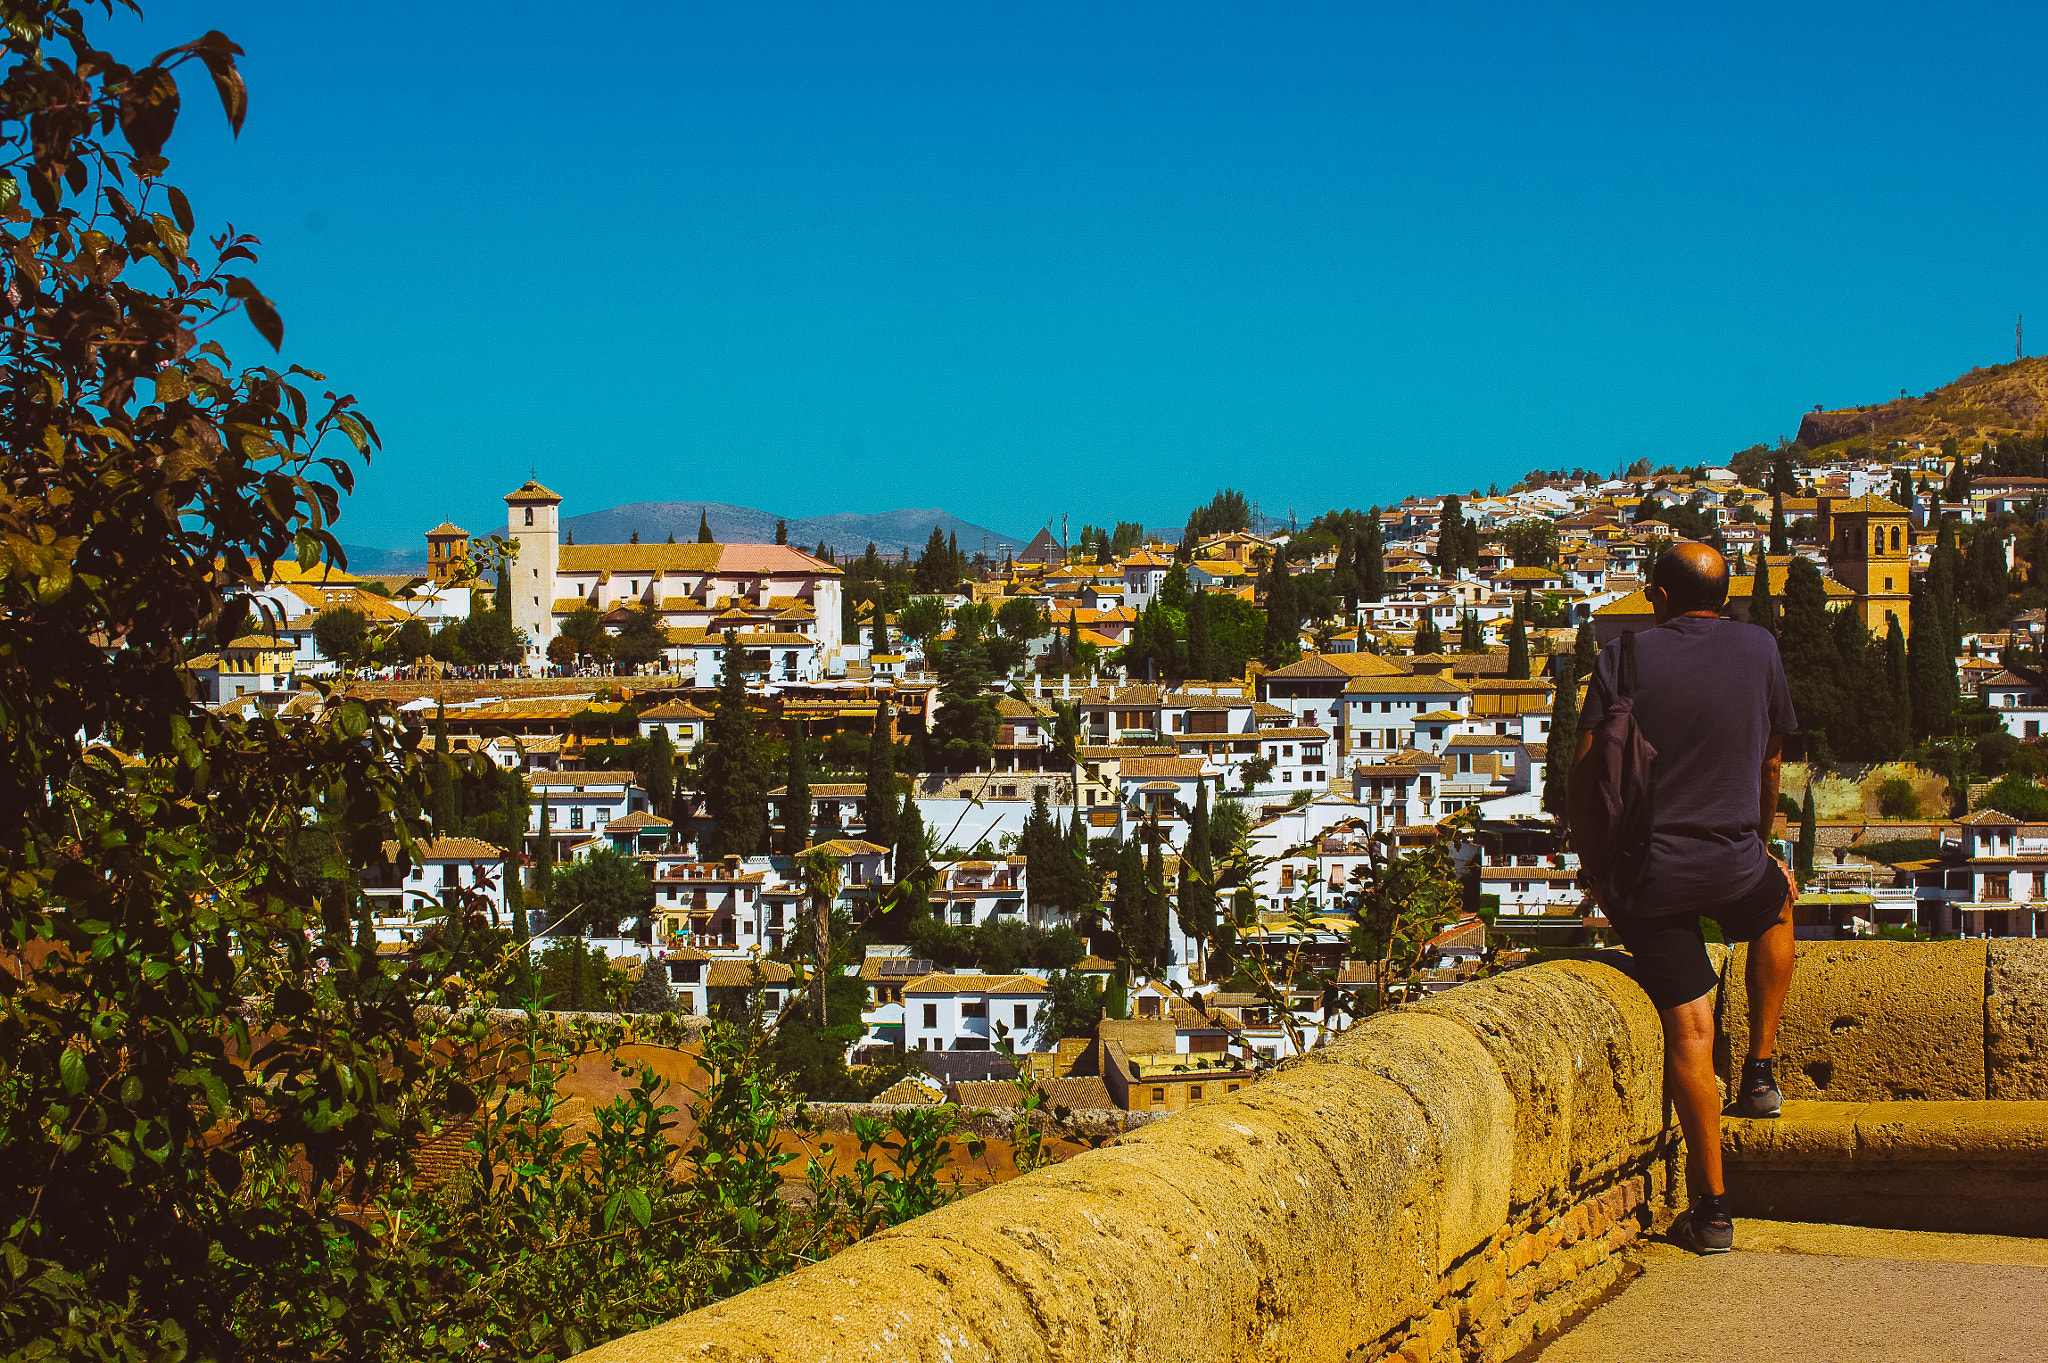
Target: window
{"type": "Point", "coordinates": [1159, 1095]}
{"type": "Point", "coordinates": [529, 521]}
{"type": "Point", "coordinates": [449, 874]}
{"type": "Point", "coordinates": [1020, 1015]}
{"type": "Point", "coordinates": [1232, 1089]}
{"type": "Point", "coordinates": [771, 1000]}
{"type": "Point", "coordinates": [977, 1010]}
{"type": "Point", "coordinates": [1997, 886]}
{"type": "Point", "coordinates": [1895, 539]}
{"type": "Point", "coordinates": [1194, 1092]}
{"type": "Point", "coordinates": [604, 814]}
{"type": "Point", "coordinates": [576, 817]}
{"type": "Point", "coordinates": [931, 1015]}
{"type": "Point", "coordinates": [1887, 584]}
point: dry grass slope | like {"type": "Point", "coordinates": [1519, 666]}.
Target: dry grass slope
{"type": "Point", "coordinates": [2002, 397]}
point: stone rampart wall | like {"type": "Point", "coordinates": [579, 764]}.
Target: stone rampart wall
{"type": "Point", "coordinates": [1445, 1182]}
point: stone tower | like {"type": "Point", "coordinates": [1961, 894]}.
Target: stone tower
{"type": "Point", "coordinates": [1870, 549]}
{"type": "Point", "coordinates": [532, 522]}
{"type": "Point", "coordinates": [447, 553]}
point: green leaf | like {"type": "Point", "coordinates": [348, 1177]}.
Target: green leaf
{"type": "Point", "coordinates": [71, 1069]}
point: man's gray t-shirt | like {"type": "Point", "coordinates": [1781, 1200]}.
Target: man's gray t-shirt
{"type": "Point", "coordinates": [1709, 694]}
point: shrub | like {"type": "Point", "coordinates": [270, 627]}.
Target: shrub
{"type": "Point", "coordinates": [1897, 800]}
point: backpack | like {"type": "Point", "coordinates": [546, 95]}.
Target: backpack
{"type": "Point", "coordinates": [1614, 854]}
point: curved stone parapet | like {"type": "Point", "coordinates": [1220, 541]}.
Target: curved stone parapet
{"type": "Point", "coordinates": [1447, 1180]}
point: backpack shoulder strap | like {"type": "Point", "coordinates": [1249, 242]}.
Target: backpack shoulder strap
{"type": "Point", "coordinates": [1625, 678]}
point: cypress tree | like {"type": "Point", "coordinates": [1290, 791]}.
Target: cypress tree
{"type": "Point", "coordinates": [1283, 617]}
{"type": "Point", "coordinates": [658, 770]}
{"type": "Point", "coordinates": [1585, 651]}
{"type": "Point", "coordinates": [1372, 568]}
{"type": "Point", "coordinates": [1899, 683]}
{"type": "Point", "coordinates": [671, 537]}
{"type": "Point", "coordinates": [1763, 607]}
{"type": "Point", "coordinates": [1471, 639]}
{"type": "Point", "coordinates": [1427, 638]}
{"type": "Point", "coordinates": [782, 532]}
{"type": "Point", "coordinates": [796, 803]}
{"type": "Point", "coordinates": [1127, 915]}
{"type": "Point", "coordinates": [881, 779]}
{"type": "Point", "coordinates": [1345, 573]}
{"type": "Point", "coordinates": [544, 853]}
{"type": "Point", "coordinates": [1931, 663]}
{"type": "Point", "coordinates": [1808, 835]}
{"type": "Point", "coordinates": [1564, 734]}
{"type": "Point", "coordinates": [1944, 581]}
{"type": "Point", "coordinates": [1450, 537]}
{"type": "Point", "coordinates": [1156, 907]}
{"type": "Point", "coordinates": [735, 787]}
{"type": "Point", "coordinates": [1859, 722]}
{"type": "Point", "coordinates": [910, 852]}
{"type": "Point", "coordinates": [1806, 642]}
{"type": "Point", "coordinates": [1197, 906]}
{"type": "Point", "coordinates": [704, 528]}
{"type": "Point", "coordinates": [1199, 662]}
{"type": "Point", "coordinates": [1781, 543]}
{"type": "Point", "coordinates": [1040, 844]}
{"type": "Point", "coordinates": [849, 618]}
{"type": "Point", "coordinates": [1518, 650]}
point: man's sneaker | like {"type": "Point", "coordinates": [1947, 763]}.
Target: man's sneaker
{"type": "Point", "coordinates": [1758, 1096]}
{"type": "Point", "coordinates": [1704, 1230]}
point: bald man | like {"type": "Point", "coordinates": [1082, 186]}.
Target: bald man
{"type": "Point", "coordinates": [1710, 699]}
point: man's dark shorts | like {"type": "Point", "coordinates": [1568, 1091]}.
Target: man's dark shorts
{"type": "Point", "coordinates": [1671, 952]}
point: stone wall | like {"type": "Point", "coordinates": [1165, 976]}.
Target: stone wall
{"type": "Point", "coordinates": [1445, 1182]}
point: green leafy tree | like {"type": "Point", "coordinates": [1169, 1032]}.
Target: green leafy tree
{"type": "Point", "coordinates": [1585, 650]}
{"type": "Point", "coordinates": [1530, 543]}
{"type": "Point", "coordinates": [1471, 635]}
{"type": "Point", "coordinates": [412, 640]}
{"type": "Point", "coordinates": [968, 719]}
{"type": "Point", "coordinates": [583, 629]}
{"type": "Point", "coordinates": [489, 638]}
{"type": "Point", "coordinates": [1073, 1005]}
{"type": "Point", "coordinates": [734, 783]}
{"type": "Point", "coordinates": [342, 633]}
{"type": "Point", "coordinates": [599, 894]}
{"type": "Point", "coordinates": [651, 992]}
{"type": "Point", "coordinates": [923, 618]}
{"type": "Point", "coordinates": [2017, 795]}
{"type": "Point", "coordinates": [1372, 570]}
{"type": "Point", "coordinates": [1428, 639]}
{"type": "Point", "coordinates": [642, 638]}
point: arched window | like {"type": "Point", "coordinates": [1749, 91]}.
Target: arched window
{"type": "Point", "coordinates": [1895, 539]}
{"type": "Point", "coordinates": [1877, 540]}
{"type": "Point", "coordinates": [529, 515]}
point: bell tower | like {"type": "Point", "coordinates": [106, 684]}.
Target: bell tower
{"type": "Point", "coordinates": [1870, 548]}
{"type": "Point", "coordinates": [532, 523]}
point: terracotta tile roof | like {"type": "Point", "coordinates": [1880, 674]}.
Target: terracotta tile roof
{"type": "Point", "coordinates": [940, 983]}
{"type": "Point", "coordinates": [1340, 665]}
{"type": "Point", "coordinates": [1405, 684]}
{"type": "Point", "coordinates": [531, 491]}
{"type": "Point", "coordinates": [830, 789]}
{"type": "Point", "coordinates": [446, 528]}
{"type": "Point", "coordinates": [583, 778]}
{"type": "Point", "coordinates": [851, 847]}
{"type": "Point", "coordinates": [1875, 506]}
{"type": "Point", "coordinates": [1164, 766]}
{"type": "Point", "coordinates": [450, 849]}
{"type": "Point", "coordinates": [728, 974]}
{"type": "Point", "coordinates": [640, 819]}
{"type": "Point", "coordinates": [675, 709]}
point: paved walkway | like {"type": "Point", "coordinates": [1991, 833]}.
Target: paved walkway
{"type": "Point", "coordinates": [1826, 1294]}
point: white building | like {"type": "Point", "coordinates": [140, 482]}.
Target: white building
{"type": "Point", "coordinates": [768, 590]}
{"type": "Point", "coordinates": [962, 1010]}
{"type": "Point", "coordinates": [579, 804]}
{"type": "Point", "coordinates": [408, 896]}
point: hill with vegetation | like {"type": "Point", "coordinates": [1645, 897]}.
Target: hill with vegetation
{"type": "Point", "coordinates": [845, 532]}
{"type": "Point", "coordinates": [2001, 399]}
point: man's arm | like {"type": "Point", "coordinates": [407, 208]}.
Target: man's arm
{"type": "Point", "coordinates": [1767, 802]}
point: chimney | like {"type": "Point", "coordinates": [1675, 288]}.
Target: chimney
{"type": "Point", "coordinates": [1066, 685]}
{"type": "Point", "coordinates": [1123, 675]}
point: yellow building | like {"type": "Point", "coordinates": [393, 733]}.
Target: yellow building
{"type": "Point", "coordinates": [448, 553]}
{"type": "Point", "coordinates": [1870, 549]}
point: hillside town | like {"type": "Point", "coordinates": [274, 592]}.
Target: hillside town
{"type": "Point", "coordinates": [1058, 802]}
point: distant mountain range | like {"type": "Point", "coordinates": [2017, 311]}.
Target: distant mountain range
{"type": "Point", "coordinates": [365, 561]}
{"type": "Point", "coordinates": [846, 533]}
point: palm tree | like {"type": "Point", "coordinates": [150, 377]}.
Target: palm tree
{"type": "Point", "coordinates": [820, 872]}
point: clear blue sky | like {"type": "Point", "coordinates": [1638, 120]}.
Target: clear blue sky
{"type": "Point", "coordinates": [1019, 260]}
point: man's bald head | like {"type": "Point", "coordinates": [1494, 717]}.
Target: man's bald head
{"type": "Point", "coordinates": [1689, 576]}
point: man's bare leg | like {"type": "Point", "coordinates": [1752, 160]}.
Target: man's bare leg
{"type": "Point", "coordinates": [1769, 976]}
{"type": "Point", "coordinates": [1695, 1092]}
